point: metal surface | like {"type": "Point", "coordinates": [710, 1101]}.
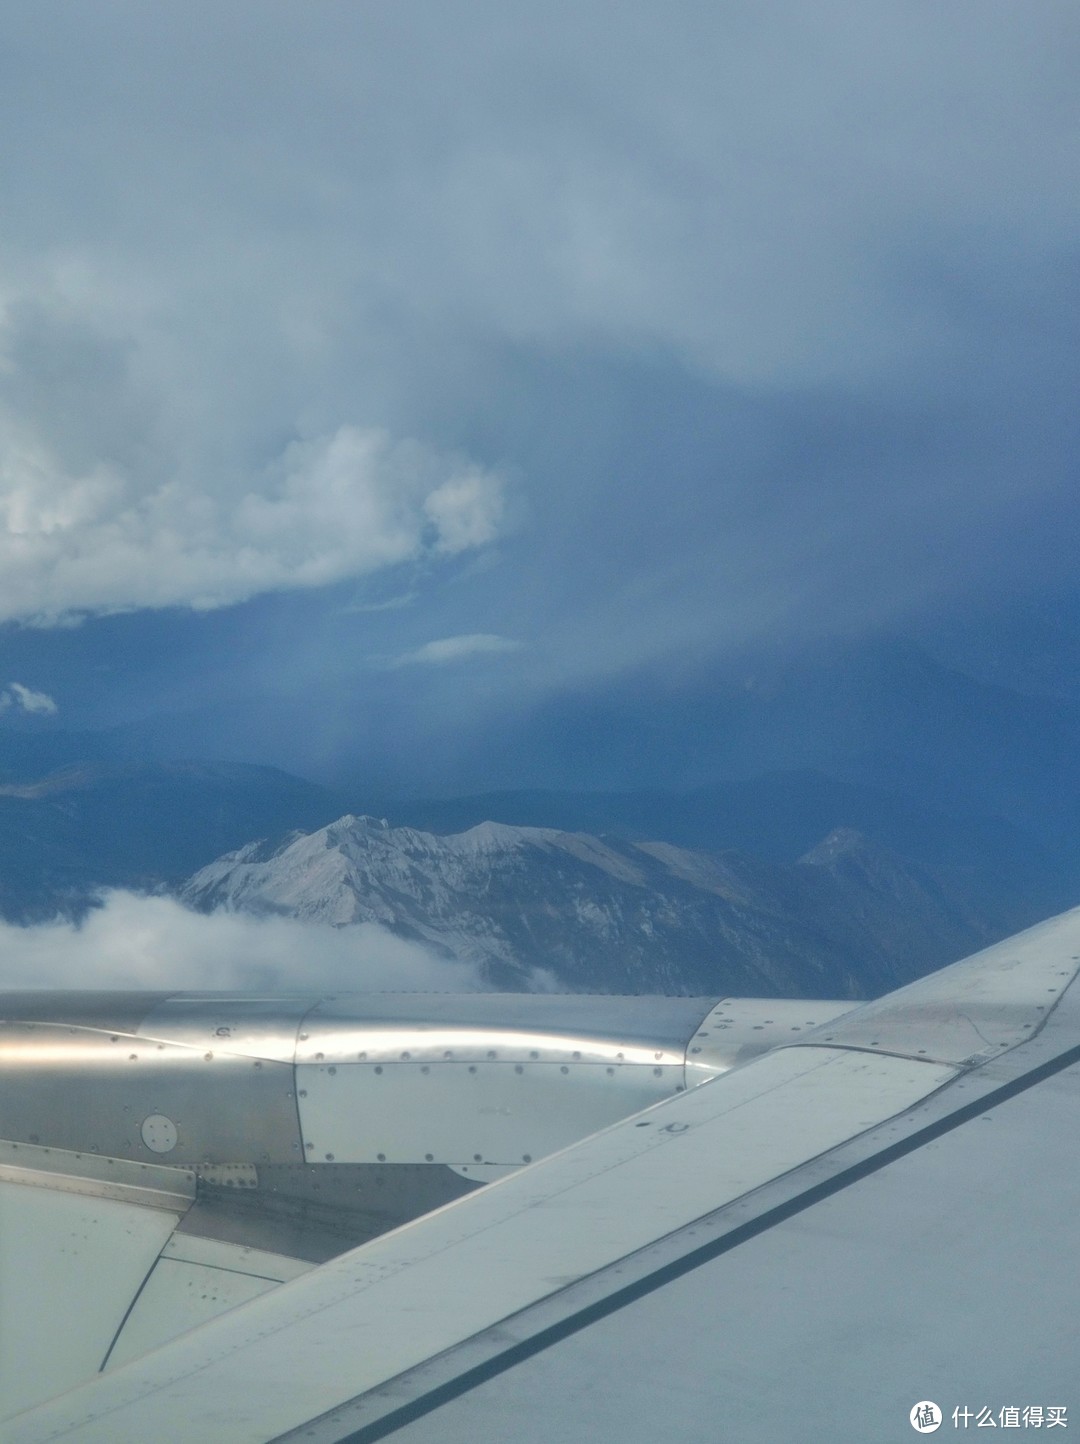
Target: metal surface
{"type": "Point", "coordinates": [379, 1335]}
{"type": "Point", "coordinates": [109, 1011]}
{"type": "Point", "coordinates": [78, 1088]}
{"type": "Point", "coordinates": [247, 1027]}
{"type": "Point", "coordinates": [70, 1264]}
{"type": "Point", "coordinates": [461, 1113]}
{"type": "Point", "coordinates": [208, 1079]}
{"type": "Point", "coordinates": [363, 1319]}
{"type": "Point", "coordinates": [597, 1027]}
{"type": "Point", "coordinates": [316, 1211]}
{"type": "Point", "coordinates": [153, 1186]}
{"type": "Point", "coordinates": [195, 1280]}
{"type": "Point", "coordinates": [738, 1029]}
{"type": "Point", "coordinates": [975, 1009]}
{"type": "Point", "coordinates": [948, 1274]}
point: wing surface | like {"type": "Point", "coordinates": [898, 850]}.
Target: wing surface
{"type": "Point", "coordinates": [428, 1318]}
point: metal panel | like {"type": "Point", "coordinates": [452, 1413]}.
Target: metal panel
{"type": "Point", "coordinates": [519, 1027]}
{"type": "Point", "coordinates": [948, 1274]}
{"type": "Point", "coordinates": [70, 1265]}
{"type": "Point", "coordinates": [975, 1009]}
{"type": "Point", "coordinates": [110, 1012]}
{"type": "Point", "coordinates": [738, 1029]}
{"type": "Point", "coordinates": [194, 1280]}
{"type": "Point", "coordinates": [250, 1027]}
{"type": "Point", "coordinates": [154, 1186]}
{"type": "Point", "coordinates": [362, 1319]}
{"type": "Point", "coordinates": [462, 1113]}
{"type": "Point", "coordinates": [81, 1089]}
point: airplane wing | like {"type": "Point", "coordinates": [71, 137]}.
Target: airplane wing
{"type": "Point", "coordinates": [879, 1214]}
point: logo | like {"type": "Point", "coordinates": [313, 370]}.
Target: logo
{"type": "Point", "coordinates": [925, 1417]}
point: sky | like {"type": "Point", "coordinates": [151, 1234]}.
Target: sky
{"type": "Point", "coordinates": [370, 373]}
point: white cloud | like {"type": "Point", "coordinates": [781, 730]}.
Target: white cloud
{"type": "Point", "coordinates": [111, 539]}
{"type": "Point", "coordinates": [457, 649]}
{"type": "Point", "coordinates": [28, 700]}
{"type": "Point", "coordinates": [135, 941]}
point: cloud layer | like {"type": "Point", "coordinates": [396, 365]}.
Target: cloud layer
{"type": "Point", "coordinates": [135, 941]}
{"type": "Point", "coordinates": [764, 310]}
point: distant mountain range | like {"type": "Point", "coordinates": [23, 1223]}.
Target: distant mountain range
{"type": "Point", "coordinates": [866, 814]}
{"type": "Point", "coordinates": [542, 907]}
{"type": "Point", "coordinates": [795, 884]}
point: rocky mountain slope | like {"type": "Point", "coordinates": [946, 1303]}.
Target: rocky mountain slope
{"type": "Point", "coordinates": [543, 907]}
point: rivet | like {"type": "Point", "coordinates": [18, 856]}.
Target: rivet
{"type": "Point", "coordinates": [378, 1067]}
{"type": "Point", "coordinates": [659, 1072]}
{"type": "Point", "coordinates": [331, 1069]}
{"type": "Point", "coordinates": [319, 1057]}
{"type": "Point", "coordinates": [492, 1053]}
{"type": "Point", "coordinates": [565, 1069]}
{"type": "Point", "coordinates": [329, 1158]}
{"type": "Point", "coordinates": [611, 1072]}
{"type": "Point", "coordinates": [406, 1055]}
{"type": "Point", "coordinates": [534, 1054]}
{"type": "Point", "coordinates": [429, 1157]}
{"type": "Point", "coordinates": [425, 1069]}
{"type": "Point", "coordinates": [526, 1157]}
{"type": "Point", "coordinates": [381, 1157]}
{"type": "Point", "coordinates": [478, 1157]}
{"type": "Point", "coordinates": [303, 1092]}
{"type": "Point", "coordinates": [518, 1068]}
{"type": "Point", "coordinates": [207, 1056]}
{"type": "Point", "coordinates": [472, 1067]}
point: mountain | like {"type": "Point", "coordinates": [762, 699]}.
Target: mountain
{"type": "Point", "coordinates": [539, 906]}
{"type": "Point", "coordinates": [97, 824]}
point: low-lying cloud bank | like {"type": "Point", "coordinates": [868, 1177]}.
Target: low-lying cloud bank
{"type": "Point", "coordinates": [136, 941]}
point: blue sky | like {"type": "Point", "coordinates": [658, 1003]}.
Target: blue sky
{"type": "Point", "coordinates": [368, 373]}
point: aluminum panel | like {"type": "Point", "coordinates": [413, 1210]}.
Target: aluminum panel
{"type": "Point", "coordinates": [251, 1027]}
{"type": "Point", "coordinates": [361, 1320]}
{"type": "Point", "coordinates": [154, 1186]}
{"type": "Point", "coordinates": [70, 1265]}
{"type": "Point", "coordinates": [975, 1009]}
{"type": "Point", "coordinates": [80, 1089]}
{"type": "Point", "coordinates": [738, 1029]}
{"type": "Point", "coordinates": [108, 1011]}
{"type": "Point", "coordinates": [519, 1027]}
{"type": "Point", "coordinates": [196, 1279]}
{"type": "Point", "coordinates": [468, 1113]}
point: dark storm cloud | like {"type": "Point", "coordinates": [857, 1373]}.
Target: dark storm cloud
{"type": "Point", "coordinates": [758, 307]}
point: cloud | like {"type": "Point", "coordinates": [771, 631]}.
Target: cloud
{"type": "Point", "coordinates": [29, 701]}
{"type": "Point", "coordinates": [457, 649]}
{"type": "Point", "coordinates": [333, 507]}
{"type": "Point", "coordinates": [766, 306]}
{"type": "Point", "coordinates": [136, 941]}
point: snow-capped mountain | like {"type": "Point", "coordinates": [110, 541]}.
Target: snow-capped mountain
{"type": "Point", "coordinates": [599, 914]}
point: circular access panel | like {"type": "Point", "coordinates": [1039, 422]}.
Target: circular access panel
{"type": "Point", "coordinates": [159, 1133]}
